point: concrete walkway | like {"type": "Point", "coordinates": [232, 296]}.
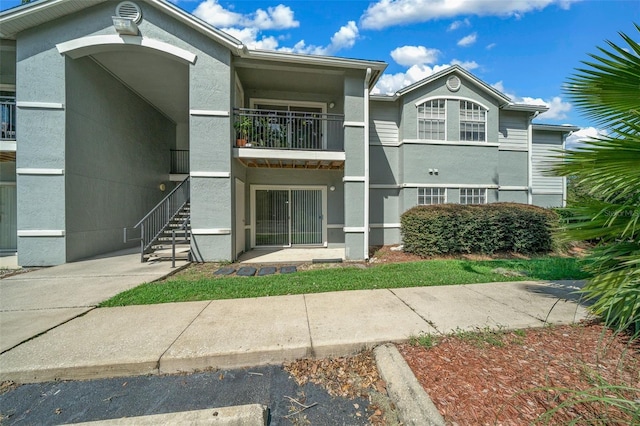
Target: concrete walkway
{"type": "Point", "coordinates": [37, 301]}
{"type": "Point", "coordinates": [183, 337]}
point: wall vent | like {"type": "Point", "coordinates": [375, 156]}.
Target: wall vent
{"type": "Point", "coordinates": [453, 83]}
{"type": "Point", "coordinates": [130, 10]}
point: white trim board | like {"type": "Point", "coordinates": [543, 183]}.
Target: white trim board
{"type": "Point", "coordinates": [353, 179]}
{"type": "Point", "coordinates": [449, 143]}
{"type": "Point", "coordinates": [353, 124]}
{"type": "Point", "coordinates": [211, 231]}
{"type": "Point", "coordinates": [448, 185]}
{"type": "Point", "coordinates": [41, 233]}
{"type": "Point", "coordinates": [513, 188]}
{"type": "Point", "coordinates": [354, 229]}
{"type": "Point", "coordinates": [208, 113]}
{"type": "Point", "coordinates": [39, 171]}
{"type": "Point", "coordinates": [210, 174]}
{"type": "Point", "coordinates": [85, 46]}
{"type": "Point", "coordinates": [40, 105]}
{"type": "Point", "coordinates": [386, 225]}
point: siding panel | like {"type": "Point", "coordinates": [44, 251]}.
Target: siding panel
{"type": "Point", "coordinates": [383, 124]}
{"type": "Point", "coordinates": [545, 145]}
{"type": "Point", "coordinates": [512, 134]}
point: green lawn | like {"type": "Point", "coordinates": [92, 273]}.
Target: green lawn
{"type": "Point", "coordinates": [199, 286]}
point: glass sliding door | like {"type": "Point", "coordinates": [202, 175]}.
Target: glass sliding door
{"type": "Point", "coordinates": [289, 217]}
{"type": "Point", "coordinates": [272, 217]}
{"type": "Point", "coordinates": [306, 217]}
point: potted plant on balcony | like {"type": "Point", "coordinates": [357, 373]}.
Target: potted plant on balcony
{"type": "Point", "coordinates": [243, 126]}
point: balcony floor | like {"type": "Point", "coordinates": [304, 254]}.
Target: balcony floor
{"type": "Point", "coordinates": [290, 159]}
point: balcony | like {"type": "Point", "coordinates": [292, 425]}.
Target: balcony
{"type": "Point", "coordinates": [289, 139]}
{"type": "Point", "coordinates": [8, 115]}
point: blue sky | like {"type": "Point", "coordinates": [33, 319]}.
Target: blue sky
{"type": "Point", "coordinates": [525, 48]}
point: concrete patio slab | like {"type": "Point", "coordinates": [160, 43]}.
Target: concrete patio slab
{"type": "Point", "coordinates": [289, 255]}
{"type": "Point", "coordinates": [19, 326]}
{"type": "Point", "coordinates": [345, 322]}
{"type": "Point", "coordinates": [551, 302]}
{"type": "Point", "coordinates": [242, 332]}
{"type": "Point", "coordinates": [449, 308]}
{"type": "Point", "coordinates": [106, 342]}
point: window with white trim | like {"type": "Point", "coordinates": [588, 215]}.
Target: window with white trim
{"type": "Point", "coordinates": [428, 196]}
{"type": "Point", "coordinates": [473, 122]}
{"type": "Point", "coordinates": [432, 120]}
{"type": "Point", "coordinates": [473, 195]}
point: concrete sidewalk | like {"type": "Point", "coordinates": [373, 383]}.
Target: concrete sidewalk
{"type": "Point", "coordinates": [35, 302]}
{"type": "Point", "coordinates": [183, 337]}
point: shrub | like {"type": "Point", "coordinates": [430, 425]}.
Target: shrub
{"type": "Point", "coordinates": [485, 229]}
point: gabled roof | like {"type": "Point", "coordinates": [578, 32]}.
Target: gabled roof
{"type": "Point", "coordinates": [29, 15]}
{"type": "Point", "coordinates": [504, 101]}
{"type": "Point", "coordinates": [32, 14]}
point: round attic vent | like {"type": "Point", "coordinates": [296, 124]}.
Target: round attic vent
{"type": "Point", "coordinates": [453, 83]}
{"type": "Point", "coordinates": [128, 9]}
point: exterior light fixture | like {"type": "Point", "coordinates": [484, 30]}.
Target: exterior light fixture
{"type": "Point", "coordinates": [162, 187]}
{"type": "Point", "coordinates": [125, 26]}
{"type": "Point", "coordinates": [332, 105]}
{"type": "Point", "coordinates": [332, 188]}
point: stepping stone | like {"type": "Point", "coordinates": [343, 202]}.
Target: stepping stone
{"type": "Point", "coordinates": [224, 271]}
{"type": "Point", "coordinates": [268, 270]}
{"type": "Point", "coordinates": [246, 271]}
{"type": "Point", "coordinates": [288, 269]}
{"type": "Point", "coordinates": [336, 260]}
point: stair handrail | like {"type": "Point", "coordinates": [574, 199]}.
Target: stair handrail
{"type": "Point", "coordinates": [153, 224]}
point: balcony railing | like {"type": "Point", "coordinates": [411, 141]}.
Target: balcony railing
{"type": "Point", "coordinates": [179, 161]}
{"type": "Point", "coordinates": [8, 115]}
{"type": "Point", "coordinates": [259, 128]}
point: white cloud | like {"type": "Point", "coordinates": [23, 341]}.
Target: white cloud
{"type": "Point", "coordinates": [344, 38]}
{"type": "Point", "coordinates": [468, 40]}
{"type": "Point", "coordinates": [413, 55]}
{"type": "Point", "coordinates": [558, 108]}
{"type": "Point", "coordinates": [388, 13]}
{"type": "Point", "coordinates": [213, 13]}
{"type": "Point", "coordinates": [490, 46]}
{"type": "Point", "coordinates": [279, 17]}
{"type": "Point", "coordinates": [586, 133]}
{"type": "Point", "coordinates": [275, 18]}
{"type": "Point", "coordinates": [248, 27]}
{"type": "Point", "coordinates": [459, 24]}
{"type": "Point", "coordinates": [391, 83]}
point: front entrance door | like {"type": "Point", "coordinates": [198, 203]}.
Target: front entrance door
{"type": "Point", "coordinates": [287, 217]}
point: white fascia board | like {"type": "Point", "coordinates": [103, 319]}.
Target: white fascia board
{"type": "Point", "coordinates": [285, 154]}
{"type": "Point", "coordinates": [525, 107]}
{"type": "Point", "coordinates": [331, 61]}
{"type": "Point", "coordinates": [555, 127]}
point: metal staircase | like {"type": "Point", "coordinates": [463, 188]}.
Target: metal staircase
{"type": "Point", "coordinates": [165, 232]}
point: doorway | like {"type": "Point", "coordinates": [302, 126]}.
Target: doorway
{"type": "Point", "coordinates": [288, 216]}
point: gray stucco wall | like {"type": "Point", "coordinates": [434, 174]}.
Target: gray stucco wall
{"type": "Point", "coordinates": [117, 154]}
{"type": "Point", "coordinates": [476, 165]}
{"type": "Point", "coordinates": [513, 168]}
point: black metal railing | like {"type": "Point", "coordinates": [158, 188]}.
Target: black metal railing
{"type": "Point", "coordinates": [179, 161]}
{"type": "Point", "coordinates": [259, 128]}
{"type": "Point", "coordinates": [8, 116]}
{"type": "Point", "coordinates": [157, 220]}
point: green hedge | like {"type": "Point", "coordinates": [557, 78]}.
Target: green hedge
{"type": "Point", "coordinates": [486, 229]}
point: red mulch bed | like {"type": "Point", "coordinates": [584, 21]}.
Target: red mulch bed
{"type": "Point", "coordinates": [514, 383]}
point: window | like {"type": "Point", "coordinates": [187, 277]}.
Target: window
{"type": "Point", "coordinates": [473, 120]}
{"type": "Point", "coordinates": [432, 196]}
{"type": "Point", "coordinates": [432, 120]}
{"type": "Point", "coordinates": [473, 196]}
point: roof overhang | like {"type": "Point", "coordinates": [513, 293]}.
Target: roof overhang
{"type": "Point", "coordinates": [525, 108]}
{"type": "Point", "coordinates": [377, 67]}
{"type": "Point", "coordinates": [564, 128]}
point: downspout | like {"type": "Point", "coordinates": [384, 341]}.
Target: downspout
{"type": "Point", "coordinates": [530, 158]}
{"type": "Point", "coordinates": [367, 79]}
{"type": "Point", "coordinates": [564, 178]}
